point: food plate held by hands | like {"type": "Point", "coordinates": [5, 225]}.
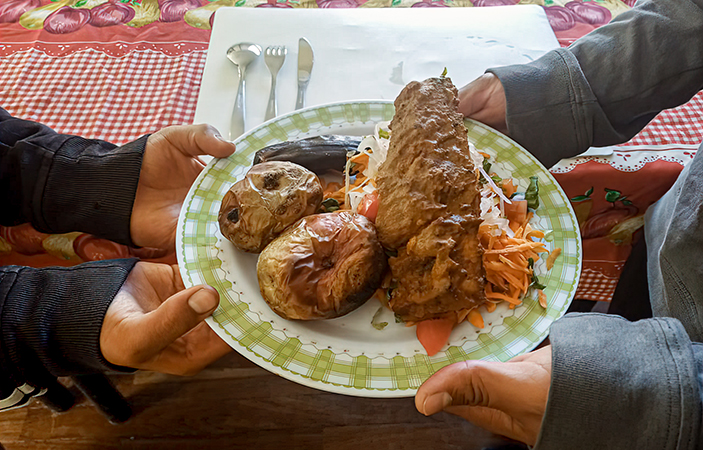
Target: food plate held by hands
{"type": "Point", "coordinates": [365, 352]}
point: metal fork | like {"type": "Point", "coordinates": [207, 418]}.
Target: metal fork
{"type": "Point", "coordinates": [274, 57]}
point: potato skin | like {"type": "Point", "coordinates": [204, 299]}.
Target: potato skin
{"type": "Point", "coordinates": [272, 196]}
{"type": "Point", "coordinates": [324, 266]}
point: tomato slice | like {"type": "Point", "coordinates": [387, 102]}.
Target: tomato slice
{"type": "Point", "coordinates": [516, 212]}
{"type": "Point", "coordinates": [434, 334]}
{"type": "Point", "coordinates": [369, 206]}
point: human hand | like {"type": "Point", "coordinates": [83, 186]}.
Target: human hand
{"type": "Point", "coordinates": [484, 100]}
{"type": "Point", "coordinates": [169, 168]}
{"type": "Point", "coordinates": [508, 398]}
{"type": "Point", "coordinates": [155, 324]}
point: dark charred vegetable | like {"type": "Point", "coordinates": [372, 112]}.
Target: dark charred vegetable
{"type": "Point", "coordinates": [319, 154]}
{"type": "Point", "coordinates": [268, 199]}
{"type": "Point", "coordinates": [324, 266]}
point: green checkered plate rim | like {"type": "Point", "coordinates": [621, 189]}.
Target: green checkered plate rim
{"type": "Point", "coordinates": [204, 256]}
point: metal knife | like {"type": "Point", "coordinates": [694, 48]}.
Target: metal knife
{"type": "Point", "coordinates": [305, 61]}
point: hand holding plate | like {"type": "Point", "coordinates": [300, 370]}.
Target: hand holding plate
{"type": "Point", "coordinates": [505, 398]}
{"type": "Point", "coordinates": [155, 324]}
{"type": "Point", "coordinates": [484, 100]}
{"type": "Point", "coordinates": [169, 168]}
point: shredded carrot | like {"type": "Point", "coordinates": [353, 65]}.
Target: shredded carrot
{"type": "Point", "coordinates": [508, 187]}
{"type": "Point", "coordinates": [542, 298]}
{"type": "Point", "coordinates": [507, 298]}
{"type": "Point", "coordinates": [360, 158]}
{"type": "Point", "coordinates": [475, 318]}
{"type": "Point", "coordinates": [513, 264]}
{"type": "Point", "coordinates": [513, 280]}
{"type": "Point", "coordinates": [361, 162]}
{"type": "Point", "coordinates": [331, 187]}
{"type": "Point", "coordinates": [382, 296]}
{"type": "Point", "coordinates": [337, 195]}
{"type": "Point", "coordinates": [506, 261]}
{"type": "Point", "coordinates": [527, 220]}
{"type": "Point", "coordinates": [553, 257]}
{"type": "Point", "coordinates": [340, 194]}
{"type": "Point", "coordinates": [461, 315]}
{"type": "Point", "coordinates": [527, 245]}
{"type": "Point", "coordinates": [535, 233]}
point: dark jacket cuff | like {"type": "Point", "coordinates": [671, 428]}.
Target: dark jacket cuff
{"type": "Point", "coordinates": [73, 201]}
{"type": "Point", "coordinates": [51, 318]}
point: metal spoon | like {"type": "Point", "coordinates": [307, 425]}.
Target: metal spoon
{"type": "Point", "coordinates": [241, 55]}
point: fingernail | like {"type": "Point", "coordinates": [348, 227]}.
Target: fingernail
{"type": "Point", "coordinates": [203, 301]}
{"type": "Point", "coordinates": [436, 403]}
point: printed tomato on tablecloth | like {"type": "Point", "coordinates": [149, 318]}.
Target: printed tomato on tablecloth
{"type": "Point", "coordinates": [610, 195]}
{"type": "Point", "coordinates": [569, 19]}
{"type": "Point", "coordinates": [572, 19]}
{"type": "Point", "coordinates": [23, 245]}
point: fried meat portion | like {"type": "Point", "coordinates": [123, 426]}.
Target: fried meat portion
{"type": "Point", "coordinates": [429, 205]}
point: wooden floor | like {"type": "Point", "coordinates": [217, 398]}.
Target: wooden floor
{"type": "Point", "coordinates": [236, 404]}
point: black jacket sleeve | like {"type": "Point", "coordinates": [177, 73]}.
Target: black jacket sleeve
{"type": "Point", "coordinates": [50, 319]}
{"type": "Point", "coordinates": [62, 183]}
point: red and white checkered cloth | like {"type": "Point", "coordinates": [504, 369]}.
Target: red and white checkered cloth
{"type": "Point", "coordinates": [94, 95]}
{"type": "Point", "coordinates": [597, 286]}
{"type": "Point", "coordinates": [682, 125]}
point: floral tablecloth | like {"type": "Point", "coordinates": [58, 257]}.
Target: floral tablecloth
{"type": "Point", "coordinates": [117, 69]}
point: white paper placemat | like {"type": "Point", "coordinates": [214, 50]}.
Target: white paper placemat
{"type": "Point", "coordinates": [363, 53]}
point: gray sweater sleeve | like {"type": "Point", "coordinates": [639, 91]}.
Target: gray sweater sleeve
{"type": "Point", "coordinates": [608, 85]}
{"type": "Point", "coordinates": [622, 385]}
{"type": "Point", "coordinates": [615, 384]}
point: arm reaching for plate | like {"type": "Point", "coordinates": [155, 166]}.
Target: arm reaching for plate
{"type": "Point", "coordinates": [556, 107]}
{"type": "Point", "coordinates": [51, 318]}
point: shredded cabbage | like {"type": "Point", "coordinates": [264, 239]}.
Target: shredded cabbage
{"type": "Point", "coordinates": [376, 147]}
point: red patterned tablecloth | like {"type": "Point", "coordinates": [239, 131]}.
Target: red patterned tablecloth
{"type": "Point", "coordinates": [116, 69]}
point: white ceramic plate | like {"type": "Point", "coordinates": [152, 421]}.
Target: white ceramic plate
{"type": "Point", "coordinates": [348, 355]}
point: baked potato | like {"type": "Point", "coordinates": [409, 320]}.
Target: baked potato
{"type": "Point", "coordinates": [271, 196]}
{"type": "Point", "coordinates": [324, 266]}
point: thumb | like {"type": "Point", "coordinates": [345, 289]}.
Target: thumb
{"type": "Point", "coordinates": [195, 140]}
{"type": "Point", "coordinates": [452, 385]}
{"type": "Point", "coordinates": [505, 398]}
{"type": "Point", "coordinates": [176, 316]}
{"type": "Point", "coordinates": [210, 142]}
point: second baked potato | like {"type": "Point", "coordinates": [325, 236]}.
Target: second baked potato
{"type": "Point", "coordinates": [324, 266]}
